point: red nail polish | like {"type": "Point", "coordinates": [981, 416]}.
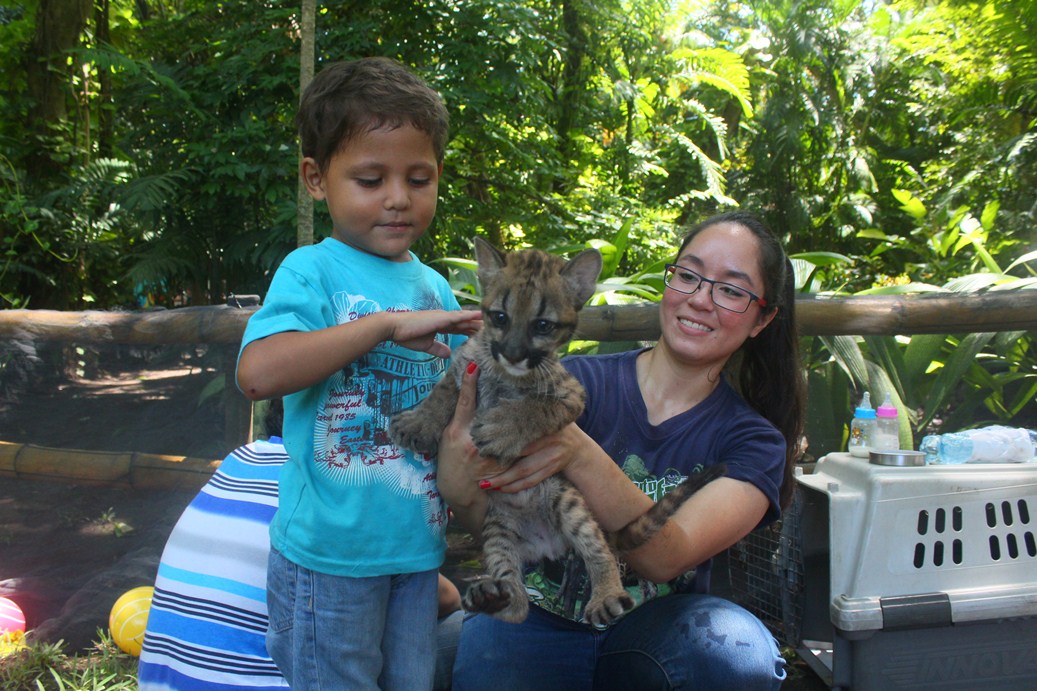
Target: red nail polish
{"type": "Point", "coordinates": [471, 367]}
{"type": "Point", "coordinates": [485, 484]}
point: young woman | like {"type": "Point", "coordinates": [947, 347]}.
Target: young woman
{"type": "Point", "coordinates": [722, 384]}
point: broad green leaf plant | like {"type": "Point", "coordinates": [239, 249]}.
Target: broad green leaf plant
{"type": "Point", "coordinates": [939, 382]}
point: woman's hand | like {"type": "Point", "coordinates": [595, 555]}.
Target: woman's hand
{"type": "Point", "coordinates": [464, 476]}
{"type": "Point", "coordinates": [460, 466]}
{"type": "Point", "coordinates": [541, 459]}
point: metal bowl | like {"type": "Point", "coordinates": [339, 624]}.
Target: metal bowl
{"type": "Point", "coordinates": [902, 458]}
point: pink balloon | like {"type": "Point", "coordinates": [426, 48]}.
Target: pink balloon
{"type": "Point", "coordinates": [11, 617]}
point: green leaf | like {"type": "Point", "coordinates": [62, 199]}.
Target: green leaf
{"type": "Point", "coordinates": [975, 282]}
{"type": "Point", "coordinates": [1028, 257]}
{"type": "Point", "coordinates": [847, 354]}
{"type": "Point", "coordinates": [872, 234]}
{"type": "Point", "coordinates": [989, 214]}
{"type": "Point", "coordinates": [889, 356]}
{"type": "Point", "coordinates": [910, 204]}
{"type": "Point", "coordinates": [829, 409]}
{"type": "Point", "coordinates": [902, 289]}
{"type": "Point", "coordinates": [822, 258]}
{"type": "Point", "coordinates": [622, 238]}
{"type": "Point", "coordinates": [610, 256]}
{"type": "Point", "coordinates": [950, 376]}
{"type": "Point", "coordinates": [1016, 284]}
{"type": "Point", "coordinates": [1024, 397]}
{"type": "Point", "coordinates": [921, 352]}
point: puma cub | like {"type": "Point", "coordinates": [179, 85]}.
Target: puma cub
{"type": "Point", "coordinates": [531, 300]}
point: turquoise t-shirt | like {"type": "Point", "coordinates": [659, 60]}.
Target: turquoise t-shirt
{"type": "Point", "coordinates": [351, 502]}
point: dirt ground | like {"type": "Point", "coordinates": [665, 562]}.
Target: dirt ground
{"type": "Point", "coordinates": [66, 548]}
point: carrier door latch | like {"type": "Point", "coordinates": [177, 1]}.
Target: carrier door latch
{"type": "Point", "coordinates": [915, 611]}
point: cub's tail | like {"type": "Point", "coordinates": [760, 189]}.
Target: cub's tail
{"type": "Point", "coordinates": [641, 529]}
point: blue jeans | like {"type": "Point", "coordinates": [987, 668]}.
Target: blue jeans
{"type": "Point", "coordinates": [674, 642]}
{"type": "Point", "coordinates": [448, 633]}
{"type": "Point", "coordinates": [331, 633]}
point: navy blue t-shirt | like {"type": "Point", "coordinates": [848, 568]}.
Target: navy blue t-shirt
{"type": "Point", "coordinates": [722, 428]}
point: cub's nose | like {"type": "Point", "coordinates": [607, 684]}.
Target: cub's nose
{"type": "Point", "coordinates": [516, 362]}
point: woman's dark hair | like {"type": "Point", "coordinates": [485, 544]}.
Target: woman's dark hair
{"type": "Point", "coordinates": [769, 374]}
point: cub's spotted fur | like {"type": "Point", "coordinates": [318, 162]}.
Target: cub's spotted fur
{"type": "Point", "coordinates": [531, 300]}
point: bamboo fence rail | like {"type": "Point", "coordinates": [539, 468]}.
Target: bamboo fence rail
{"type": "Point", "coordinates": [223, 326]}
{"type": "Point", "coordinates": [1009, 310]}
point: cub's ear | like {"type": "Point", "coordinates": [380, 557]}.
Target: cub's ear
{"type": "Point", "coordinates": [581, 275]}
{"type": "Point", "coordinates": [490, 260]}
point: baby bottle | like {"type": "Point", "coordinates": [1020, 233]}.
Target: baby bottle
{"type": "Point", "coordinates": [886, 435]}
{"type": "Point", "coordinates": [861, 427]}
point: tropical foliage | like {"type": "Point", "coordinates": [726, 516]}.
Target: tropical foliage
{"type": "Point", "coordinates": [147, 153]}
{"type": "Point", "coordinates": [40, 666]}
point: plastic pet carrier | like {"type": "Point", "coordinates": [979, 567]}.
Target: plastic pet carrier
{"type": "Point", "coordinates": [902, 577]}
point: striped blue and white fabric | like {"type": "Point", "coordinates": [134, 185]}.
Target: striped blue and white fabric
{"type": "Point", "coordinates": [207, 626]}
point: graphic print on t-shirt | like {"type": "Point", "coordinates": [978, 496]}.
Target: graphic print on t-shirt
{"type": "Point", "coordinates": [561, 586]}
{"type": "Point", "coordinates": [350, 442]}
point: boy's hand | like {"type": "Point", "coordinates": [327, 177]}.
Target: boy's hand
{"type": "Point", "coordinates": [417, 330]}
{"type": "Point", "coordinates": [290, 361]}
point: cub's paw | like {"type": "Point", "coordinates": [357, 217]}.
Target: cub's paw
{"type": "Point", "coordinates": [408, 430]}
{"type": "Point", "coordinates": [493, 442]}
{"type": "Point", "coordinates": [505, 600]}
{"type": "Point", "coordinates": [601, 611]}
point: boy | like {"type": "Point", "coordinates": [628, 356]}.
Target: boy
{"type": "Point", "coordinates": [348, 335]}
{"type": "Point", "coordinates": [207, 623]}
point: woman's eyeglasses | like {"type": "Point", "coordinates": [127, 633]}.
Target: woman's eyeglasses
{"type": "Point", "coordinates": [724, 295]}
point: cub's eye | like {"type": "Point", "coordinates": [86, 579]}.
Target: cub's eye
{"type": "Point", "coordinates": [497, 319]}
{"type": "Point", "coordinates": [543, 327]}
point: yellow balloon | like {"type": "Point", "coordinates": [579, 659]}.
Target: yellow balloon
{"type": "Point", "coordinates": [129, 618]}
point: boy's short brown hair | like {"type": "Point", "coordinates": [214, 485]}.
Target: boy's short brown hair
{"type": "Point", "coordinates": [347, 99]}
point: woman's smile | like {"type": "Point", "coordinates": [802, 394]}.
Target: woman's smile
{"type": "Point", "coordinates": [697, 326]}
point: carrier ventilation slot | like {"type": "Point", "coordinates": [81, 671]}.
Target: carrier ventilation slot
{"type": "Point", "coordinates": [1006, 514]}
{"type": "Point", "coordinates": [942, 523]}
{"type": "Point", "coordinates": [947, 549]}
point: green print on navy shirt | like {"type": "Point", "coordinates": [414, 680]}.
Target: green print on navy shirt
{"type": "Point", "coordinates": [561, 586]}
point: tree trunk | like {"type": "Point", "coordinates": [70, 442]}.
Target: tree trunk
{"type": "Point", "coordinates": [304, 209]}
{"type": "Point", "coordinates": [59, 24]}
{"type": "Point", "coordinates": [571, 86]}
{"type": "Point", "coordinates": [105, 109]}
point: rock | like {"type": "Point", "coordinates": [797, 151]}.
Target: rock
{"type": "Point", "coordinates": [88, 609]}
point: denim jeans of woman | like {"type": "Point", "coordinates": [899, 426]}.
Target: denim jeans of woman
{"type": "Point", "coordinates": [329, 633]}
{"type": "Point", "coordinates": [674, 642]}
